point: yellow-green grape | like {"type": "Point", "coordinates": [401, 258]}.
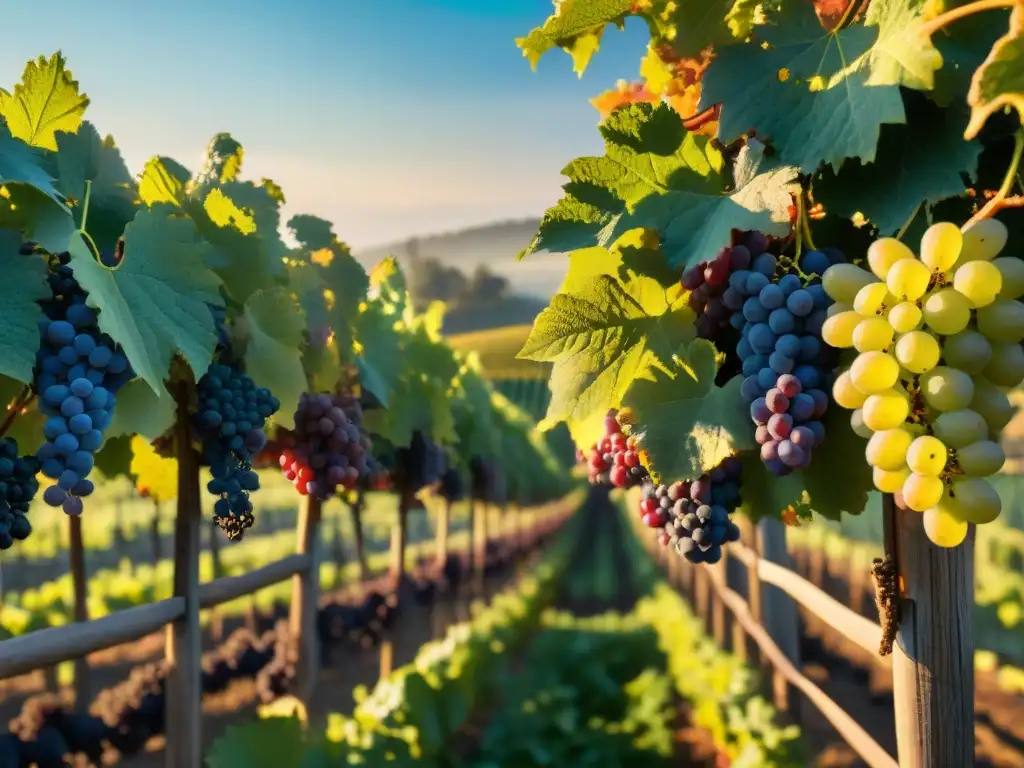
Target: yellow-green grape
{"type": "Point", "coordinates": [837, 308]}
{"type": "Point", "coordinates": [858, 426]}
{"type": "Point", "coordinates": [842, 281]}
{"type": "Point", "coordinates": [885, 252]}
{"type": "Point", "coordinates": [981, 459]}
{"type": "Point", "coordinates": [837, 331]}
{"type": "Point", "coordinates": [968, 350]}
{"type": "Point", "coordinates": [983, 241]}
{"type": "Point", "coordinates": [886, 410]}
{"type": "Point", "coordinates": [994, 406]}
{"type": "Point", "coordinates": [946, 389]}
{"type": "Point", "coordinates": [874, 372]}
{"type": "Point", "coordinates": [942, 526]}
{"type": "Point", "coordinates": [927, 455]}
{"type": "Point", "coordinates": [889, 482]}
{"type": "Point", "coordinates": [873, 334]}
{"type": "Point", "coordinates": [918, 351]}
{"type": "Point", "coordinates": [905, 317]}
{"type": "Point", "coordinates": [871, 299]}
{"type": "Point", "coordinates": [959, 428]}
{"type": "Point", "coordinates": [1006, 368]}
{"type": "Point", "coordinates": [922, 491]}
{"type": "Point", "coordinates": [1011, 269]}
{"type": "Point", "coordinates": [979, 281]}
{"type": "Point", "coordinates": [1002, 320]}
{"type": "Point", "coordinates": [940, 246]}
{"type": "Point", "coordinates": [947, 312]}
{"type": "Point", "coordinates": [978, 500]}
{"type": "Point", "coordinates": [845, 394]}
{"type": "Point", "coordinates": [888, 449]}
{"type": "Point", "coordinates": [908, 279]}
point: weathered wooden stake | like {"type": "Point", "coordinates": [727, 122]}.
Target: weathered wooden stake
{"type": "Point", "coordinates": [76, 557]}
{"type": "Point", "coordinates": [779, 615]}
{"type": "Point", "coordinates": [933, 657]}
{"type": "Point", "coordinates": [305, 591]}
{"type": "Point", "coordinates": [443, 521]}
{"type": "Point", "coordinates": [356, 510]}
{"type": "Point", "coordinates": [184, 637]}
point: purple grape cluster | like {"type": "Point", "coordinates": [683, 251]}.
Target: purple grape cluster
{"type": "Point", "coordinates": [328, 448]}
{"type": "Point", "coordinates": [708, 282]}
{"type": "Point", "coordinates": [78, 371]}
{"type": "Point", "coordinates": [18, 486]}
{"type": "Point", "coordinates": [787, 368]}
{"type": "Point", "coordinates": [694, 515]}
{"type": "Point", "coordinates": [229, 421]}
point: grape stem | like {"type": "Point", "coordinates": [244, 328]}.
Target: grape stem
{"type": "Point", "coordinates": [23, 399]}
{"type": "Point", "coordinates": [695, 122]}
{"type": "Point", "coordinates": [1002, 198]}
{"type": "Point", "coordinates": [944, 19]}
{"type": "Point", "coordinates": [906, 225]}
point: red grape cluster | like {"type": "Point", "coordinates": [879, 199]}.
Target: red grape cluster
{"type": "Point", "coordinates": [328, 448]}
{"type": "Point", "coordinates": [708, 282]}
{"type": "Point", "coordinates": [614, 460]}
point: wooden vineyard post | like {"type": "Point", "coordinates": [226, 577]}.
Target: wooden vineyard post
{"type": "Point", "coordinates": [216, 617]}
{"type": "Point", "coordinates": [338, 554]}
{"type": "Point", "coordinates": [184, 638]}
{"type": "Point", "coordinates": [443, 521]}
{"type": "Point", "coordinates": [76, 557]}
{"type": "Point", "coordinates": [716, 572]}
{"type": "Point", "coordinates": [305, 591]}
{"type": "Point", "coordinates": [480, 546]}
{"type": "Point", "coordinates": [399, 540]}
{"type": "Point", "coordinates": [356, 510]}
{"type": "Point", "coordinates": [778, 614]}
{"type": "Point", "coordinates": [154, 533]}
{"type": "Point", "coordinates": [933, 656]}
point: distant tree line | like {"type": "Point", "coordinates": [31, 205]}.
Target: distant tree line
{"type": "Point", "coordinates": [431, 280]}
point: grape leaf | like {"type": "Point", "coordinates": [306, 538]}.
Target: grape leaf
{"type": "Point", "coordinates": [997, 82]}
{"type": "Point", "coordinates": [576, 26]}
{"type": "Point", "coordinates": [901, 55]}
{"type": "Point", "coordinates": [273, 358]}
{"type": "Point", "coordinates": [115, 457]}
{"type": "Point", "coordinates": [920, 162]}
{"type": "Point", "coordinates": [163, 180]}
{"type": "Point", "coordinates": [155, 303]}
{"type": "Point", "coordinates": [23, 285]}
{"type": "Point", "coordinates": [224, 155]}
{"type": "Point", "coordinates": [44, 102]}
{"type": "Point", "coordinates": [819, 488]}
{"type": "Point", "coordinates": [964, 46]}
{"type": "Point", "coordinates": [684, 422]}
{"type": "Point", "coordinates": [656, 175]}
{"type": "Point", "coordinates": [27, 426]}
{"type": "Point", "coordinates": [602, 333]}
{"type": "Point", "coordinates": [378, 357]}
{"type": "Point", "coordinates": [277, 741]}
{"type": "Point", "coordinates": [261, 206]}
{"type": "Point", "coordinates": [142, 410]}
{"type": "Point", "coordinates": [155, 476]}
{"type": "Point", "coordinates": [819, 96]}
{"type": "Point", "coordinates": [20, 165]}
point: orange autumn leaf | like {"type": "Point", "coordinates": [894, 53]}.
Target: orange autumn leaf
{"type": "Point", "coordinates": [624, 93]}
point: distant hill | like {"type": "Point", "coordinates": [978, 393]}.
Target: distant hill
{"type": "Point", "coordinates": [494, 246]}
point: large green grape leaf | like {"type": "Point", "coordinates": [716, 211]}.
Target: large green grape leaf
{"type": "Point", "coordinates": [964, 46]}
{"type": "Point", "coordinates": [920, 162]}
{"type": "Point", "coordinates": [19, 164]}
{"type": "Point", "coordinates": [141, 410]}
{"type": "Point", "coordinates": [999, 81]}
{"type": "Point", "coordinates": [22, 285]}
{"type": "Point", "coordinates": [274, 741]}
{"type": "Point", "coordinates": [85, 157]}
{"type": "Point", "coordinates": [656, 175]}
{"type": "Point", "coordinates": [155, 303]}
{"type": "Point", "coordinates": [838, 479]}
{"type": "Point", "coordinates": [259, 203]}
{"type": "Point", "coordinates": [602, 333]}
{"type": "Point", "coordinates": [114, 459]}
{"type": "Point", "coordinates": [273, 357]}
{"type": "Point", "coordinates": [44, 102]}
{"type": "Point", "coordinates": [378, 359]}
{"type": "Point", "coordinates": [819, 96]}
{"type": "Point", "coordinates": [685, 423]}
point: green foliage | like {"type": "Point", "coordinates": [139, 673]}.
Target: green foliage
{"type": "Point", "coordinates": [273, 358]}
{"type": "Point", "coordinates": [23, 284]}
{"type": "Point", "coordinates": [46, 101]}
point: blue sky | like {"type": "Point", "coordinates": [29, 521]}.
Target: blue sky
{"type": "Point", "coordinates": [387, 117]}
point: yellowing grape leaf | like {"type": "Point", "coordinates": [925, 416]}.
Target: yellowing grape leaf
{"type": "Point", "coordinates": [997, 82]}
{"type": "Point", "coordinates": [44, 102]}
{"type": "Point", "coordinates": [685, 423]}
{"type": "Point", "coordinates": [820, 96]}
{"type": "Point", "coordinates": [602, 333]}
{"type": "Point", "coordinates": [820, 488]}
{"type": "Point", "coordinates": [575, 26]}
{"type": "Point", "coordinates": [22, 284]}
{"type": "Point", "coordinates": [223, 163]}
{"type": "Point", "coordinates": [155, 303]}
{"type": "Point", "coordinates": [141, 410]}
{"type": "Point", "coordinates": [273, 358]}
{"type": "Point", "coordinates": [624, 93]}
{"type": "Point", "coordinates": [155, 476]}
{"type": "Point", "coordinates": [163, 181]}
{"type": "Point", "coordinates": [658, 176]}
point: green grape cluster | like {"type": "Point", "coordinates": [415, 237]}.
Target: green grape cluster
{"type": "Point", "coordinates": [938, 338]}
